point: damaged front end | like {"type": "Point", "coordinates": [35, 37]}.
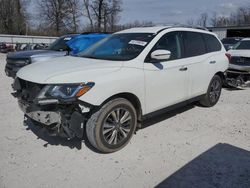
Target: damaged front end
{"type": "Point", "coordinates": [55, 107]}
{"type": "Point", "coordinates": [238, 74]}
{"type": "Point", "coordinates": [238, 79]}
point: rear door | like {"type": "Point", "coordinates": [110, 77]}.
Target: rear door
{"type": "Point", "coordinates": [199, 66]}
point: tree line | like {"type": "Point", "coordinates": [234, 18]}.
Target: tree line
{"type": "Point", "coordinates": [57, 17]}
{"type": "Point", "coordinates": [241, 17]}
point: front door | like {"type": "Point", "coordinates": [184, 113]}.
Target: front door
{"type": "Point", "coordinates": [166, 82]}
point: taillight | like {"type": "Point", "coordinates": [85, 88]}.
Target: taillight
{"type": "Point", "coordinates": [228, 56]}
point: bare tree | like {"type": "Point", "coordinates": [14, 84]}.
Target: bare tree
{"type": "Point", "coordinates": [191, 22]}
{"type": "Point", "coordinates": [113, 14]}
{"type": "Point", "coordinates": [202, 21]}
{"type": "Point", "coordinates": [88, 14]}
{"type": "Point", "coordinates": [239, 18]}
{"type": "Point", "coordinates": [213, 19]}
{"type": "Point", "coordinates": [12, 17]}
{"type": "Point", "coordinates": [242, 15]}
{"type": "Point", "coordinates": [55, 12]}
{"type": "Point", "coordinates": [102, 14]}
{"type": "Point", "coordinates": [74, 14]}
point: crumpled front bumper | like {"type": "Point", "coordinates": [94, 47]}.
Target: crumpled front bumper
{"type": "Point", "coordinates": [44, 117]}
{"type": "Point", "coordinates": [65, 118]}
{"type": "Point", "coordinates": [63, 121]}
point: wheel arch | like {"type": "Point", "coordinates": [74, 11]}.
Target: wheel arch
{"type": "Point", "coordinates": [222, 76]}
{"type": "Point", "coordinates": [131, 98]}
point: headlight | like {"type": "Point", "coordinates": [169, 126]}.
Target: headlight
{"type": "Point", "coordinates": [64, 91]}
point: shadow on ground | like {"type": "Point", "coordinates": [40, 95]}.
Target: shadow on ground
{"type": "Point", "coordinates": [42, 133]}
{"type": "Point", "coordinates": [222, 166]}
{"type": "Point", "coordinates": [162, 116]}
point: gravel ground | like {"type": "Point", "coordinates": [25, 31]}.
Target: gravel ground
{"type": "Point", "coordinates": [191, 147]}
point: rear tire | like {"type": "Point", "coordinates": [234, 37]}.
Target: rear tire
{"type": "Point", "coordinates": [112, 126]}
{"type": "Point", "coordinates": [213, 92]}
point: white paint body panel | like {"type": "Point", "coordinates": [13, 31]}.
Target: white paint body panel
{"type": "Point", "coordinates": [239, 53]}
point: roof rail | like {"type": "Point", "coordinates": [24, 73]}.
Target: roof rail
{"type": "Point", "coordinates": [187, 26]}
{"type": "Point", "coordinates": [86, 33]}
{"type": "Point", "coordinates": [192, 26]}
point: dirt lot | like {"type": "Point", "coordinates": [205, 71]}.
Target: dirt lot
{"type": "Point", "coordinates": [191, 147]}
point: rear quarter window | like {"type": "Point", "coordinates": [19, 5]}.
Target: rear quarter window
{"type": "Point", "coordinates": [194, 44]}
{"type": "Point", "coordinates": [212, 43]}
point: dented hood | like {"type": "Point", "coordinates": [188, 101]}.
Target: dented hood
{"type": "Point", "coordinates": [67, 70]}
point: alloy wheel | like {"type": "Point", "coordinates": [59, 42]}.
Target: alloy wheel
{"type": "Point", "coordinates": [215, 91]}
{"type": "Point", "coordinates": [117, 126]}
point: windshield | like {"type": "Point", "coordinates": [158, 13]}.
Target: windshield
{"type": "Point", "coordinates": [230, 41]}
{"type": "Point", "coordinates": [243, 45]}
{"type": "Point", "coordinates": [119, 47]}
{"type": "Point", "coordinates": [60, 44]}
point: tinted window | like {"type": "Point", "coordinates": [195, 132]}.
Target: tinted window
{"type": "Point", "coordinates": [230, 40]}
{"type": "Point", "coordinates": [194, 44]}
{"type": "Point", "coordinates": [60, 44]}
{"type": "Point", "coordinates": [243, 45]}
{"type": "Point", "coordinates": [170, 42]}
{"type": "Point", "coordinates": [212, 43]}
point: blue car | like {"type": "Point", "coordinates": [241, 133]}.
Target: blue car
{"type": "Point", "coordinates": [65, 45]}
{"type": "Point", "coordinates": [82, 42]}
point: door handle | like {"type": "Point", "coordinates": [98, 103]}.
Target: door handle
{"type": "Point", "coordinates": [183, 69]}
{"type": "Point", "coordinates": [212, 62]}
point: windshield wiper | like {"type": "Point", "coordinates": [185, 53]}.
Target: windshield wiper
{"type": "Point", "coordinates": [90, 57]}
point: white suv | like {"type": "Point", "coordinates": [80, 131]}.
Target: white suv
{"type": "Point", "coordinates": [108, 89]}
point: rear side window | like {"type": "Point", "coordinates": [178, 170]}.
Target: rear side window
{"type": "Point", "coordinates": [213, 45]}
{"type": "Point", "coordinates": [194, 44]}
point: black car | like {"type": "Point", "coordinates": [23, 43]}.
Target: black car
{"type": "Point", "coordinates": [230, 42]}
{"type": "Point", "coordinates": [17, 60]}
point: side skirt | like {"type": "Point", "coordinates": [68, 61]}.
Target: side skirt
{"type": "Point", "coordinates": [171, 108]}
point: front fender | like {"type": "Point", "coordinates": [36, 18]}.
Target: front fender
{"type": "Point", "coordinates": [126, 80]}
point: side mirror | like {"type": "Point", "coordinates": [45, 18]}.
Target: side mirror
{"type": "Point", "coordinates": [230, 47]}
{"type": "Point", "coordinates": [161, 55]}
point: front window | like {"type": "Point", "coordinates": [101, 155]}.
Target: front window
{"type": "Point", "coordinates": [243, 45]}
{"type": "Point", "coordinates": [119, 47]}
{"type": "Point", "coordinates": [60, 44]}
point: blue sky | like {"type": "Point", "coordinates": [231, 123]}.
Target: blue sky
{"type": "Point", "coordinates": [176, 11]}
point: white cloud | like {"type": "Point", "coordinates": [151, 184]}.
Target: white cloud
{"type": "Point", "coordinates": [226, 9]}
{"type": "Point", "coordinates": [228, 5]}
{"type": "Point", "coordinates": [176, 12]}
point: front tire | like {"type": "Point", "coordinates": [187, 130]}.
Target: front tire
{"type": "Point", "coordinates": [213, 93]}
{"type": "Point", "coordinates": [111, 127]}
